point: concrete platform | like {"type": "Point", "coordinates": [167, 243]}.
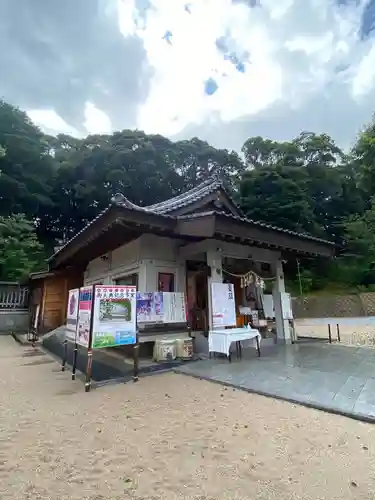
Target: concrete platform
{"type": "Point", "coordinates": [333, 378]}
{"type": "Point", "coordinates": [107, 364]}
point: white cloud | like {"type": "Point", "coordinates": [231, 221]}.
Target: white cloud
{"type": "Point", "coordinates": [51, 122]}
{"type": "Point", "coordinates": [297, 49]}
{"type": "Point", "coordinates": [363, 81]}
{"type": "Point", "coordinates": [305, 67]}
{"type": "Point", "coordinates": [96, 121]}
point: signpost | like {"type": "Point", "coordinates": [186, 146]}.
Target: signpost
{"type": "Point", "coordinates": [71, 323]}
{"type": "Point", "coordinates": [114, 317]}
{"type": "Point", "coordinates": [103, 316]}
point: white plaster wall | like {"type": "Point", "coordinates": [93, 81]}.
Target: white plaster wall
{"type": "Point", "coordinates": [161, 255]}
{"type": "Point", "coordinates": [96, 272]}
{"type": "Point", "coordinates": [125, 260]}
{"type": "Point", "coordinates": [158, 248]}
{"type": "Point", "coordinates": [121, 262]}
{"type": "Point", "coordinates": [147, 256]}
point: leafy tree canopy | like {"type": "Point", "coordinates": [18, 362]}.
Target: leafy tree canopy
{"type": "Point", "coordinates": [20, 250]}
{"type": "Point", "coordinates": [306, 184]}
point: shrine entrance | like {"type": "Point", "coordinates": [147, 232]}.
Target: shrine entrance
{"type": "Point", "coordinates": [197, 295]}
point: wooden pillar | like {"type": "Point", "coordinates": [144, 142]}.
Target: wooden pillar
{"type": "Point", "coordinates": [282, 325]}
{"type": "Point", "coordinates": [146, 272]}
{"type": "Point", "coordinates": [214, 260]}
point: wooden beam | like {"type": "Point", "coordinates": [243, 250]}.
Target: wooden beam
{"type": "Point", "coordinates": [199, 247]}
{"type": "Point", "coordinates": [270, 238]}
{"type": "Point", "coordinates": [199, 226]}
{"type": "Point", "coordinates": [137, 220]}
{"type": "Point", "coordinates": [240, 250]}
{"type": "Point", "coordinates": [246, 251]}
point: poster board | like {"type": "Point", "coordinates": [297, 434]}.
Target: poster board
{"type": "Point", "coordinates": [223, 305]}
{"type": "Point", "coordinates": [161, 307]}
{"type": "Point", "coordinates": [174, 304]}
{"type": "Point", "coordinates": [150, 308]}
{"type": "Point", "coordinates": [72, 314]}
{"type": "Point", "coordinates": [268, 307]}
{"type": "Point", "coordinates": [85, 306]}
{"type": "Point", "coordinates": [114, 320]}
{"type": "Point", "coordinates": [286, 304]}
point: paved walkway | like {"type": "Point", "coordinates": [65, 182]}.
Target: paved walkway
{"type": "Point", "coordinates": [334, 378]}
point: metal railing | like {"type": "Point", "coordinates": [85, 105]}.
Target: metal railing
{"type": "Point", "coordinates": [14, 298]}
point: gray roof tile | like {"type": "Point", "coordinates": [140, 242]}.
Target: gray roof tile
{"type": "Point", "coordinates": [166, 209]}
{"type": "Point", "coordinates": [182, 200]}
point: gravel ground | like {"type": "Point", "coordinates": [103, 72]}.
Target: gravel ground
{"type": "Point", "coordinates": [168, 437]}
{"type": "Point", "coordinates": [352, 334]}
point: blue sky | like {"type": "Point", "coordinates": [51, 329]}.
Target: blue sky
{"type": "Point", "coordinates": [223, 70]}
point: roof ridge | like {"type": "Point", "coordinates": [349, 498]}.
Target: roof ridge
{"type": "Point", "coordinates": [189, 197]}
{"type": "Point", "coordinates": [210, 182]}
{"type": "Point", "coordinates": [123, 201]}
{"type": "Point", "coordinates": [172, 203]}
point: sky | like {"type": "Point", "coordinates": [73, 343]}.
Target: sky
{"type": "Point", "coordinates": [222, 70]}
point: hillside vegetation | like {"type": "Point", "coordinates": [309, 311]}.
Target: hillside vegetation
{"type": "Point", "coordinates": [50, 187]}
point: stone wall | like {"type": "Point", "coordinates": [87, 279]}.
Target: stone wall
{"type": "Point", "coordinates": [334, 306]}
{"type": "Point", "coordinates": [14, 321]}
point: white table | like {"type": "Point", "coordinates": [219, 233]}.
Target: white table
{"type": "Point", "coordinates": [220, 340]}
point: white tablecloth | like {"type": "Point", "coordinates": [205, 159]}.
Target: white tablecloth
{"type": "Point", "coordinates": [220, 340]}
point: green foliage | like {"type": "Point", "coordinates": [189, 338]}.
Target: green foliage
{"type": "Point", "coordinates": [307, 184]}
{"type": "Point", "coordinates": [26, 168]}
{"type": "Point", "coordinates": [363, 160]}
{"type": "Point", "coordinates": [20, 251]}
{"type": "Point", "coordinates": [147, 169]}
{"type": "Point", "coordinates": [278, 196]}
{"type": "Point", "coordinates": [296, 185]}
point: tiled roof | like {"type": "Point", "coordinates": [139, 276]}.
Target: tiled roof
{"type": "Point", "coordinates": [201, 191]}
{"type": "Point", "coordinates": [79, 232]}
{"type": "Point", "coordinates": [257, 223]}
{"type": "Point", "coordinates": [165, 207]}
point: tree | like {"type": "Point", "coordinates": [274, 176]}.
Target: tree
{"type": "Point", "coordinates": [26, 168]}
{"type": "Point", "coordinates": [145, 168]}
{"type": "Point", "coordinates": [265, 153]}
{"type": "Point", "coordinates": [277, 195]}
{"type": "Point", "coordinates": [359, 267]}
{"type": "Point", "coordinates": [320, 157]}
{"type": "Point", "coordinates": [313, 188]}
{"type": "Point", "coordinates": [20, 251]}
{"type": "Point", "coordinates": [196, 161]}
{"type": "Point", "coordinates": [92, 170]}
{"type": "Point", "coordinates": [305, 184]}
{"type": "Point", "coordinates": [362, 158]}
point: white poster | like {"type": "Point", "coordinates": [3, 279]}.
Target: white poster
{"type": "Point", "coordinates": [223, 305]}
{"type": "Point", "coordinates": [268, 307]}
{"type": "Point", "coordinates": [286, 304]}
{"type": "Point", "coordinates": [174, 305]}
{"type": "Point", "coordinates": [115, 312]}
{"type": "Point", "coordinates": [72, 314]}
{"type": "Point", "coordinates": [84, 316]}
